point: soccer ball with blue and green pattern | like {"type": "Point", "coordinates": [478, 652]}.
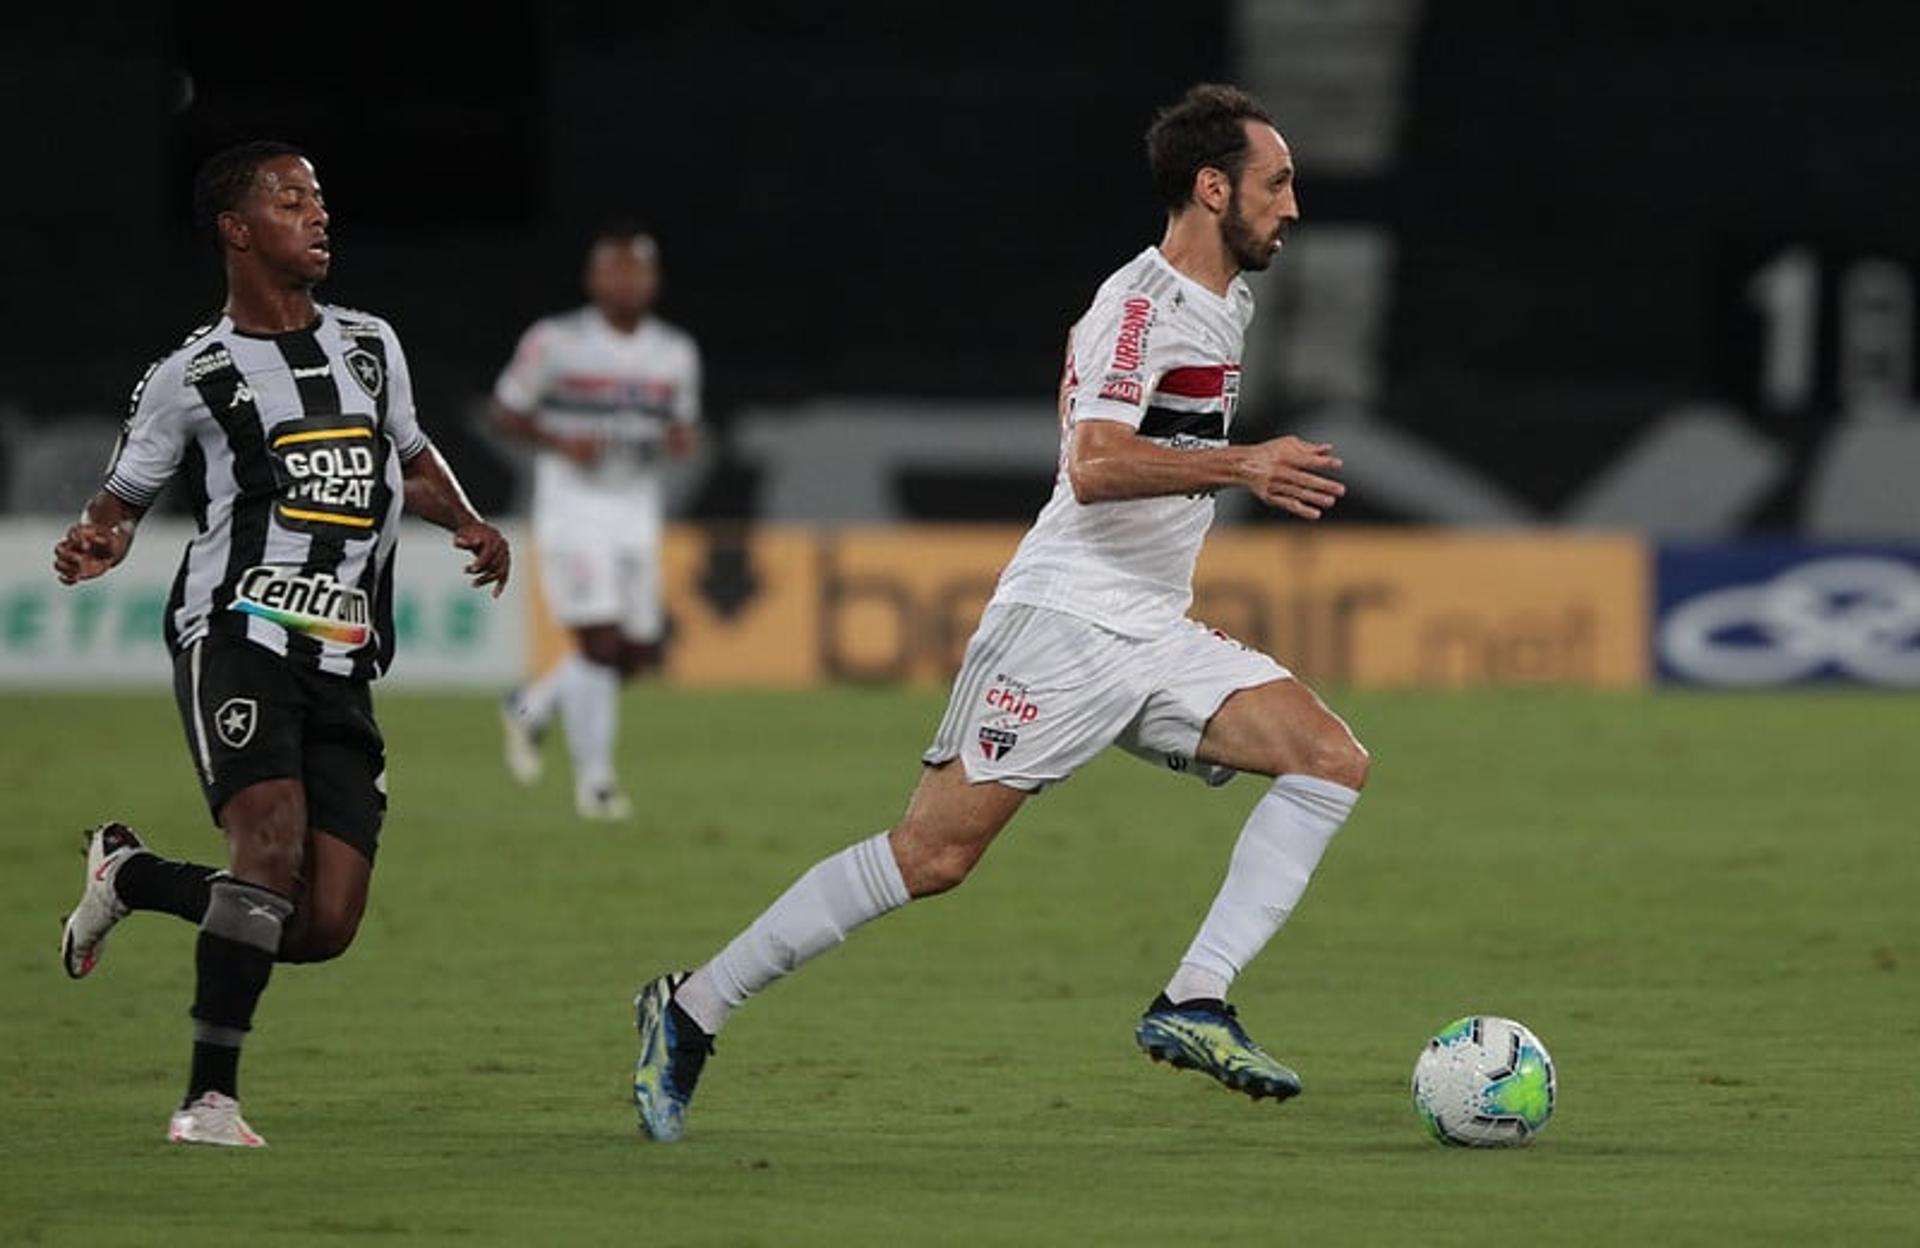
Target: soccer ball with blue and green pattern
{"type": "Point", "coordinates": [1484, 1082]}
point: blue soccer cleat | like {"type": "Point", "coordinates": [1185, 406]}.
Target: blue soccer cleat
{"type": "Point", "coordinates": [673, 1050]}
{"type": "Point", "coordinates": [1206, 1035]}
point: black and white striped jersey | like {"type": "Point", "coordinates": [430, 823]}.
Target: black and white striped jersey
{"type": "Point", "coordinates": [290, 447]}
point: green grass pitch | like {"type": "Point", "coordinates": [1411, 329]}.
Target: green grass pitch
{"type": "Point", "coordinates": [1707, 906]}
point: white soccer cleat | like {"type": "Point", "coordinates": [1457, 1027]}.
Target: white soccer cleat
{"type": "Point", "coordinates": [521, 740]}
{"type": "Point", "coordinates": [85, 932]}
{"type": "Point", "coordinates": [213, 1118]}
{"type": "Point", "coordinates": [603, 803]}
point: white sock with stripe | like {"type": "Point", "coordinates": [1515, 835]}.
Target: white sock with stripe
{"type": "Point", "coordinates": [1272, 862]}
{"type": "Point", "coordinates": [860, 883]}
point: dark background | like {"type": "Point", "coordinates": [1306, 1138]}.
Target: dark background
{"type": "Point", "coordinates": [894, 200]}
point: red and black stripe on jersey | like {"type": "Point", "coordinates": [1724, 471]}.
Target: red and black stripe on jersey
{"type": "Point", "coordinates": [1199, 408]}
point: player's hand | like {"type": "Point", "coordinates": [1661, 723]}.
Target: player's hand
{"type": "Point", "coordinates": [1286, 473]}
{"type": "Point", "coordinates": [491, 561]}
{"type": "Point", "coordinates": [88, 550]}
{"type": "Point", "coordinates": [583, 451]}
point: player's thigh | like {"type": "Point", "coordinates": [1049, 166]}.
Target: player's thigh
{"type": "Point", "coordinates": [1283, 728]}
{"type": "Point", "coordinates": [244, 715]}
{"type": "Point", "coordinates": [332, 901]}
{"type": "Point", "coordinates": [600, 643]}
{"type": "Point", "coordinates": [642, 619]}
{"type": "Point", "coordinates": [265, 824]}
{"type": "Point", "coordinates": [580, 579]}
{"type": "Point", "coordinates": [1038, 695]}
{"type": "Point", "coordinates": [345, 764]}
{"type": "Point", "coordinates": [1196, 671]}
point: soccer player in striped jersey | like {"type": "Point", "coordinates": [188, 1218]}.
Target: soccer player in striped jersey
{"type": "Point", "coordinates": [1086, 642]}
{"type": "Point", "coordinates": [604, 394]}
{"type": "Point", "coordinates": [291, 425]}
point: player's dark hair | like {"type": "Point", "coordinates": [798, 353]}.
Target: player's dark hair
{"type": "Point", "coordinates": [623, 231]}
{"type": "Point", "coordinates": [223, 180]}
{"type": "Point", "coordinates": [1204, 130]}
{"type": "Point", "coordinates": [620, 230]}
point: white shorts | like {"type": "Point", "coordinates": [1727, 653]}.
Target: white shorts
{"type": "Point", "coordinates": [1041, 692]}
{"type": "Point", "coordinates": [588, 584]}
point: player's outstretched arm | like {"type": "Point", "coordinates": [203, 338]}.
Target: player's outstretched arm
{"type": "Point", "coordinates": [1107, 461]}
{"type": "Point", "coordinates": [98, 543]}
{"type": "Point", "coordinates": [434, 494]}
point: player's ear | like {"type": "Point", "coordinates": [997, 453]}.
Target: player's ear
{"type": "Point", "coordinates": [1211, 189]}
{"type": "Point", "coordinates": [233, 231]}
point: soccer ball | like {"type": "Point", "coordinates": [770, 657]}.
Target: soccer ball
{"type": "Point", "coordinates": [1484, 1082]}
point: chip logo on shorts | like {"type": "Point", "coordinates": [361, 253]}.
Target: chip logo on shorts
{"type": "Point", "coordinates": [1010, 699]}
{"type": "Point", "coordinates": [235, 721]}
{"type": "Point", "coordinates": [996, 743]}
{"type": "Point", "coordinates": [1010, 709]}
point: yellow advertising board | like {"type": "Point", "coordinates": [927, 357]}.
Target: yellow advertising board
{"type": "Point", "coordinates": [1388, 608]}
{"type": "Point", "coordinates": [1369, 608]}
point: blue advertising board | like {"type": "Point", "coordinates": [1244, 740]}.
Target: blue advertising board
{"type": "Point", "coordinates": [1788, 612]}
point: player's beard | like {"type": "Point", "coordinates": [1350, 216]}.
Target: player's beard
{"type": "Point", "coordinates": [1244, 244]}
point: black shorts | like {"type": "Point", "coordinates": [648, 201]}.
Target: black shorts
{"type": "Point", "coordinates": [251, 715]}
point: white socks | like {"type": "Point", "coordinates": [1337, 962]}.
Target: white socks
{"type": "Point", "coordinates": [840, 893]}
{"type": "Point", "coordinates": [587, 696]}
{"type": "Point", "coordinates": [1278, 849]}
{"type": "Point", "coordinates": [536, 700]}
{"type": "Point", "coordinates": [590, 705]}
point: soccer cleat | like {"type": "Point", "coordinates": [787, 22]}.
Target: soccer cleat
{"type": "Point", "coordinates": [602, 803]}
{"type": "Point", "coordinates": [522, 740]}
{"type": "Point", "coordinates": [212, 1118]}
{"type": "Point", "coordinates": [85, 932]}
{"type": "Point", "coordinates": [673, 1051]}
{"type": "Point", "coordinates": [1206, 1035]}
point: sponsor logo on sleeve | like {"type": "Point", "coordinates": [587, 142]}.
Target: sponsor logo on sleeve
{"type": "Point", "coordinates": [1130, 346]}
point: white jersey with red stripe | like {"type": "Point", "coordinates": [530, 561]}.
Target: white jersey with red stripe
{"type": "Point", "coordinates": [579, 376]}
{"type": "Point", "coordinates": [1161, 353]}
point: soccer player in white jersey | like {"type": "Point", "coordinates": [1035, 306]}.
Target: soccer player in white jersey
{"type": "Point", "coordinates": [291, 425]}
{"type": "Point", "coordinates": [604, 394]}
{"type": "Point", "coordinates": [1086, 642]}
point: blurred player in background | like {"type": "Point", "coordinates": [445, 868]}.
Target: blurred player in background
{"type": "Point", "coordinates": [604, 393]}
{"type": "Point", "coordinates": [1086, 642]}
{"type": "Point", "coordinates": [292, 426]}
